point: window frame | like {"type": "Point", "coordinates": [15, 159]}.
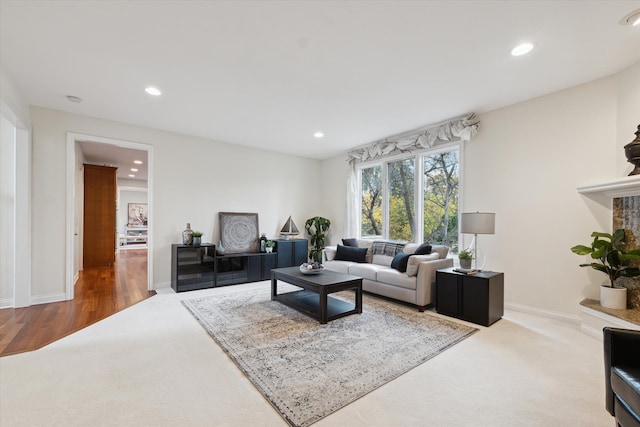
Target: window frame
{"type": "Point", "coordinates": [418, 198]}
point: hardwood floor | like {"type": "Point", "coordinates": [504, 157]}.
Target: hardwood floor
{"type": "Point", "coordinates": [99, 293]}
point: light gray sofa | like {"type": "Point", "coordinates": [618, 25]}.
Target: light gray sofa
{"type": "Point", "coordinates": [416, 286]}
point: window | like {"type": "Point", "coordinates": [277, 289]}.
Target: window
{"type": "Point", "coordinates": [401, 181]}
{"type": "Point", "coordinates": [440, 191]}
{"type": "Point", "coordinates": [371, 202]}
{"type": "Point", "coordinates": [395, 194]}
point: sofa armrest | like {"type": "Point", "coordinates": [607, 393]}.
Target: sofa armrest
{"type": "Point", "coordinates": [621, 348]}
{"type": "Point", "coordinates": [426, 280]}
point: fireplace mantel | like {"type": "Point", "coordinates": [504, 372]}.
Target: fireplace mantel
{"type": "Point", "coordinates": [619, 187]}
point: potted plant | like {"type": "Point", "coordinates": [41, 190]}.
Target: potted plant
{"type": "Point", "coordinates": [197, 238]}
{"type": "Point", "coordinates": [609, 250]}
{"type": "Point", "coordinates": [465, 257]}
{"type": "Point", "coordinates": [317, 228]}
{"type": "Point", "coordinates": [268, 246]}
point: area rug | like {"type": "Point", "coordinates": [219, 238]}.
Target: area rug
{"type": "Point", "coordinates": [307, 370]}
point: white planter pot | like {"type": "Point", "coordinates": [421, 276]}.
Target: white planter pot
{"type": "Point", "coordinates": [615, 298]}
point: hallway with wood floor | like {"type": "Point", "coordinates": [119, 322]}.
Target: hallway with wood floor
{"type": "Point", "coordinates": [99, 293]}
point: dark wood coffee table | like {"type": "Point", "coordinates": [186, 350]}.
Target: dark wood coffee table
{"type": "Point", "coordinates": [313, 299]}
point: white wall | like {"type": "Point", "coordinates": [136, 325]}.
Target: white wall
{"type": "Point", "coordinates": [628, 114]}
{"type": "Point", "coordinates": [16, 111]}
{"type": "Point", "coordinates": [525, 165]}
{"type": "Point", "coordinates": [125, 197]}
{"type": "Point", "coordinates": [7, 211]}
{"type": "Point", "coordinates": [194, 180]}
{"type": "Point", "coordinates": [335, 172]}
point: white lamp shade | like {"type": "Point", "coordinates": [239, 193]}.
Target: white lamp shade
{"type": "Point", "coordinates": [478, 223]}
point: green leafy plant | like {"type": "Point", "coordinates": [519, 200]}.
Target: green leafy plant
{"type": "Point", "coordinates": [317, 228]}
{"type": "Point", "coordinates": [464, 254]}
{"type": "Point", "coordinates": [269, 244]}
{"type": "Point", "coordinates": [609, 250]}
{"type": "Point", "coordinates": [197, 234]}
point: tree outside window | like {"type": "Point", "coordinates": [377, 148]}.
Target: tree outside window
{"type": "Point", "coordinates": [438, 186]}
{"type": "Point", "coordinates": [371, 202]}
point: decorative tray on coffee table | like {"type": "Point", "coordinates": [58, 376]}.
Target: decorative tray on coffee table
{"type": "Point", "coordinates": [311, 268]}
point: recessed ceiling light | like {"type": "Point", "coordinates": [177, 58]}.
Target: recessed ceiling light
{"type": "Point", "coordinates": [318, 134]}
{"type": "Point", "coordinates": [153, 91]}
{"type": "Point", "coordinates": [137, 162]}
{"type": "Point", "coordinates": [131, 175]}
{"type": "Point", "coordinates": [74, 99]}
{"type": "Point", "coordinates": [522, 49]}
{"type": "Point", "coordinates": [632, 18]}
{"type": "Point", "coordinates": [134, 170]}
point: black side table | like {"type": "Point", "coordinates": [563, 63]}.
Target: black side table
{"type": "Point", "coordinates": [477, 298]}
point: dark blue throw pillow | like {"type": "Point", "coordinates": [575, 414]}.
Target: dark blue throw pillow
{"type": "Point", "coordinates": [423, 249]}
{"type": "Point", "coordinates": [350, 242]}
{"type": "Point", "coordinates": [349, 253]}
{"type": "Point", "coordinates": [400, 262]}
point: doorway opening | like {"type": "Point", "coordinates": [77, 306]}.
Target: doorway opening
{"type": "Point", "coordinates": [91, 149]}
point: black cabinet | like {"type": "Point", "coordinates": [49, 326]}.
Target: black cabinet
{"type": "Point", "coordinates": [292, 253]}
{"type": "Point", "coordinates": [232, 269]}
{"type": "Point", "coordinates": [192, 267]}
{"type": "Point", "coordinates": [477, 298]}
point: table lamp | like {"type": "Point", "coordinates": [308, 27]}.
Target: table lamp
{"type": "Point", "coordinates": [477, 223]}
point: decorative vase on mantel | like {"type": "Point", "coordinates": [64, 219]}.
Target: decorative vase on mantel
{"type": "Point", "coordinates": [632, 151]}
{"type": "Point", "coordinates": [187, 235]}
{"type": "Point", "coordinates": [615, 298]}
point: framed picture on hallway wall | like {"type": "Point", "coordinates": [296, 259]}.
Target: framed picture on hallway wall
{"type": "Point", "coordinates": [138, 214]}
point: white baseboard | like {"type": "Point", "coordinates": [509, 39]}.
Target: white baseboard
{"type": "Point", "coordinates": [161, 285]}
{"type": "Point", "coordinates": [45, 299]}
{"type": "Point", "coordinates": [76, 277]}
{"type": "Point", "coordinates": [562, 317]}
{"type": "Point", "coordinates": [593, 321]}
{"type": "Point", "coordinates": [7, 303]}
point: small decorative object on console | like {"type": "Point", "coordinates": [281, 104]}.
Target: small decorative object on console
{"type": "Point", "coordinates": [311, 268]}
{"type": "Point", "coordinates": [289, 229]}
{"type": "Point", "coordinates": [187, 235]}
{"type": "Point", "coordinates": [197, 238]}
{"type": "Point", "coordinates": [268, 246]}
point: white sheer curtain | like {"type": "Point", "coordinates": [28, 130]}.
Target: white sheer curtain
{"type": "Point", "coordinates": [351, 228]}
{"type": "Point", "coordinates": [459, 129]}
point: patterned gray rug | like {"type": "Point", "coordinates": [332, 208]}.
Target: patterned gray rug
{"type": "Point", "coordinates": [307, 370]}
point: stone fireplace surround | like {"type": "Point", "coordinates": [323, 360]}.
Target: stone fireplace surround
{"type": "Point", "coordinates": [624, 196]}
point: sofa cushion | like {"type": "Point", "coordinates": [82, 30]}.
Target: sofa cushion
{"type": "Point", "coordinates": [365, 243]}
{"type": "Point", "coordinates": [414, 262]}
{"type": "Point", "coordinates": [400, 262]}
{"type": "Point", "coordinates": [329, 252]}
{"type": "Point", "coordinates": [338, 266]}
{"type": "Point", "coordinates": [366, 271]}
{"type": "Point", "coordinates": [350, 242]}
{"type": "Point", "coordinates": [348, 253]}
{"type": "Point", "coordinates": [395, 278]}
{"type": "Point", "coordinates": [441, 250]}
{"type": "Point", "coordinates": [423, 249]}
{"type": "Point", "coordinates": [383, 247]}
{"type": "Point", "coordinates": [384, 260]}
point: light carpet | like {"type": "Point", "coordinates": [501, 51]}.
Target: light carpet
{"type": "Point", "coordinates": [307, 370]}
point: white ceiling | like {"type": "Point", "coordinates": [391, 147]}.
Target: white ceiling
{"type": "Point", "coordinates": [269, 74]}
{"type": "Point", "coordinates": [96, 153]}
